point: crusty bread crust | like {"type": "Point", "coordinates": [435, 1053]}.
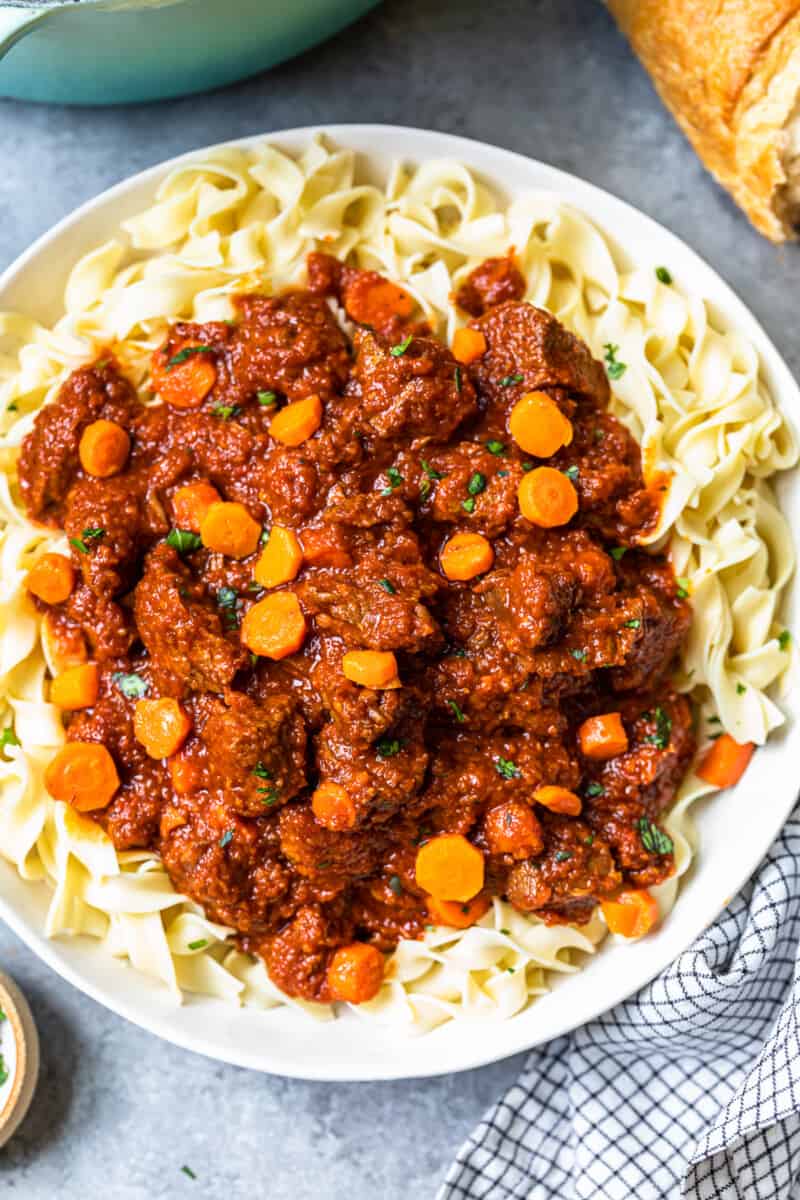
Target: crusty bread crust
{"type": "Point", "coordinates": [729, 71]}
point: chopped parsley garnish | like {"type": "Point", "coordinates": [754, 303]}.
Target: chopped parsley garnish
{"type": "Point", "coordinates": [507, 932]}
{"type": "Point", "coordinates": [396, 884]}
{"type": "Point", "coordinates": [663, 730]}
{"type": "Point", "coordinates": [502, 474]}
{"type": "Point", "coordinates": [784, 639]}
{"type": "Point", "coordinates": [430, 472]}
{"type": "Point", "coordinates": [572, 473]}
{"type": "Point", "coordinates": [226, 411]}
{"type": "Point", "coordinates": [267, 399]}
{"type": "Point", "coordinates": [468, 505]}
{"type": "Point", "coordinates": [511, 970]}
{"type": "Point", "coordinates": [527, 466]}
{"type": "Point", "coordinates": [477, 482]}
{"type": "Point", "coordinates": [132, 686]}
{"type": "Point", "coordinates": [598, 435]}
{"type": "Point", "coordinates": [387, 586]}
{"type": "Point", "coordinates": [683, 587]}
{"type": "Point", "coordinates": [188, 1171]}
{"type": "Point", "coordinates": [457, 378]}
{"type": "Point", "coordinates": [563, 856]}
{"type": "Point", "coordinates": [88, 535]}
{"type": "Point", "coordinates": [714, 720]}
{"type": "Point", "coordinates": [261, 771]}
{"type": "Point", "coordinates": [589, 841]}
{"type": "Point", "coordinates": [8, 737]}
{"type": "Point", "coordinates": [388, 747]}
{"type": "Point", "coordinates": [510, 380]}
{"type": "Point", "coordinates": [740, 689]}
{"type": "Point", "coordinates": [187, 352]}
{"type": "Point", "coordinates": [663, 275]}
{"type": "Point", "coordinates": [579, 654]}
{"type": "Point", "coordinates": [614, 367]}
{"type": "Point", "coordinates": [617, 552]}
{"type": "Point", "coordinates": [12, 407]}
{"type": "Point", "coordinates": [634, 623]}
{"type": "Point", "coordinates": [268, 795]}
{"type": "Point", "coordinates": [507, 768]}
{"type": "Point", "coordinates": [495, 447]}
{"type": "Point", "coordinates": [184, 541]}
{"type": "Point", "coordinates": [226, 839]}
{"type": "Point", "coordinates": [227, 598]}
{"type": "Point", "coordinates": [199, 944]}
{"type": "Point", "coordinates": [654, 839]}
{"type": "Point", "coordinates": [595, 789]}
{"type": "Point", "coordinates": [456, 710]}
{"type": "Point", "coordinates": [401, 347]}
{"type": "Point", "coordinates": [395, 479]}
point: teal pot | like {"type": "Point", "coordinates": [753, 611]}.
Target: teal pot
{"type": "Point", "coordinates": [118, 51]}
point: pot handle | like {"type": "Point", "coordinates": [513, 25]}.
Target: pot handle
{"type": "Point", "coordinates": [15, 23]}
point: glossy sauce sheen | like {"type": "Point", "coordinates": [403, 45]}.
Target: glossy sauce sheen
{"type": "Point", "coordinates": [501, 669]}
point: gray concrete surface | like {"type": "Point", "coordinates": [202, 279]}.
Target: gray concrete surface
{"type": "Point", "coordinates": [118, 1113]}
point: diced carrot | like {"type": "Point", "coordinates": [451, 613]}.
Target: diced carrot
{"type": "Point", "coordinates": [465, 555]}
{"type": "Point", "coordinates": [184, 773]}
{"type": "Point", "coordinates": [559, 800]}
{"type": "Point", "coordinates": [103, 449]}
{"type": "Point", "coordinates": [547, 498]}
{"type": "Point", "coordinates": [184, 383]}
{"type": "Point", "coordinates": [297, 422]}
{"type": "Point", "coordinates": [538, 425]}
{"type": "Point", "coordinates": [280, 560]}
{"type": "Point", "coordinates": [76, 687]}
{"type": "Point", "coordinates": [603, 736]}
{"type": "Point", "coordinates": [457, 916]}
{"type": "Point", "coordinates": [332, 806]}
{"type": "Point", "coordinates": [468, 345]}
{"type": "Point", "coordinates": [51, 578]}
{"type": "Point", "coordinates": [632, 913]}
{"type": "Point", "coordinates": [371, 300]}
{"type": "Point", "coordinates": [325, 546]}
{"type": "Point", "coordinates": [172, 818]}
{"type": "Point", "coordinates": [371, 668]}
{"type": "Point", "coordinates": [355, 973]}
{"type": "Point", "coordinates": [228, 528]}
{"type": "Point", "coordinates": [82, 774]}
{"type": "Point", "coordinates": [725, 762]}
{"type": "Point", "coordinates": [274, 627]}
{"type": "Point", "coordinates": [162, 726]}
{"type": "Point", "coordinates": [512, 828]}
{"type": "Point", "coordinates": [191, 503]}
{"type": "Point", "coordinates": [449, 867]}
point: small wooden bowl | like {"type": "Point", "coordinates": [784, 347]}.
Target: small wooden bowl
{"type": "Point", "coordinates": [22, 1062]}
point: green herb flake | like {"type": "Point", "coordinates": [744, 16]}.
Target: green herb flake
{"type": "Point", "coordinates": [456, 711]}
{"type": "Point", "coordinates": [132, 686]}
{"type": "Point", "coordinates": [712, 737]}
{"type": "Point", "coordinates": [395, 480]}
{"type": "Point", "coordinates": [784, 639]}
{"type": "Point", "coordinates": [387, 586]}
{"type": "Point", "coordinates": [187, 352]}
{"type": "Point", "coordinates": [598, 435]}
{"type": "Point", "coordinates": [262, 772]}
{"type": "Point", "coordinates": [589, 841]}
{"type": "Point", "coordinates": [614, 368]}
{"type": "Point", "coordinates": [457, 378]}
{"type": "Point", "coordinates": [617, 552]}
{"type": "Point", "coordinates": [595, 789]}
{"type": "Point", "coordinates": [468, 505]}
{"type": "Point", "coordinates": [654, 840]}
{"type": "Point", "coordinates": [740, 689]}
{"type": "Point", "coordinates": [323, 866]}
{"type": "Point", "coordinates": [563, 856]}
{"type": "Point", "coordinates": [12, 407]}
{"type": "Point", "coordinates": [502, 474]}
{"type": "Point", "coordinates": [81, 544]}
{"type": "Point", "coordinates": [579, 654]}
{"type": "Point", "coordinates": [226, 411]}
{"type": "Point", "coordinates": [528, 466]}
{"type": "Point", "coordinates": [396, 884]}
{"type": "Point", "coordinates": [401, 347]}
{"type": "Point", "coordinates": [388, 747]}
{"type": "Point", "coordinates": [682, 590]}
{"type": "Point", "coordinates": [572, 473]}
{"type": "Point", "coordinates": [8, 738]}
{"type": "Point", "coordinates": [188, 1171]}
{"type": "Point", "coordinates": [477, 483]}
{"type": "Point", "coordinates": [634, 623]}
{"type": "Point", "coordinates": [200, 944]}
{"type": "Point", "coordinates": [429, 471]}
{"type": "Point", "coordinates": [714, 720]}
{"type": "Point", "coordinates": [510, 380]}
{"type": "Point", "coordinates": [184, 541]}
{"type": "Point", "coordinates": [663, 731]}
{"type": "Point", "coordinates": [507, 932]}
{"type": "Point", "coordinates": [511, 970]}
{"type": "Point", "coordinates": [495, 447]}
{"type": "Point", "coordinates": [227, 597]}
{"type": "Point", "coordinates": [268, 795]}
{"type": "Point", "coordinates": [226, 839]}
{"type": "Point", "coordinates": [507, 768]}
{"type": "Point", "coordinates": [267, 399]}
{"type": "Point", "coordinates": [663, 275]}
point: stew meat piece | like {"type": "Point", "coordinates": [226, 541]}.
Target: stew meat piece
{"type": "Point", "coordinates": [495, 674]}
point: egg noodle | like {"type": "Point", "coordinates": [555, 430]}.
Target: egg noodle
{"type": "Point", "coordinates": [243, 220]}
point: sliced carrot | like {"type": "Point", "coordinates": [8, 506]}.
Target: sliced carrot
{"type": "Point", "coordinates": [184, 383]}
{"type": "Point", "coordinates": [603, 736]}
{"type": "Point", "coordinates": [82, 774]}
{"type": "Point", "coordinates": [371, 300]}
{"type": "Point", "coordinates": [558, 799]}
{"type": "Point", "coordinates": [280, 560]}
{"type": "Point", "coordinates": [333, 807]}
{"type": "Point", "coordinates": [274, 627]}
{"type": "Point", "coordinates": [228, 528]}
{"type": "Point", "coordinates": [725, 762]}
{"type": "Point", "coordinates": [103, 449]}
{"type": "Point", "coordinates": [297, 422]}
{"type": "Point", "coordinates": [371, 668]}
{"type": "Point", "coordinates": [538, 425]}
{"type": "Point", "coordinates": [547, 498]}
{"type": "Point", "coordinates": [191, 503]}
{"type": "Point", "coordinates": [184, 773]}
{"type": "Point", "coordinates": [465, 555]}
{"type": "Point", "coordinates": [162, 726]}
{"type": "Point", "coordinates": [458, 916]}
{"type": "Point", "coordinates": [468, 345]}
{"type": "Point", "coordinates": [51, 578]}
{"type": "Point", "coordinates": [512, 828]}
{"type": "Point", "coordinates": [76, 687]}
{"type": "Point", "coordinates": [325, 546]}
{"type": "Point", "coordinates": [632, 913]}
{"type": "Point", "coordinates": [355, 973]}
{"type": "Point", "coordinates": [449, 867]}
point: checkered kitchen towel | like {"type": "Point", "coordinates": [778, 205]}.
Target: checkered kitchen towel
{"type": "Point", "coordinates": [691, 1088]}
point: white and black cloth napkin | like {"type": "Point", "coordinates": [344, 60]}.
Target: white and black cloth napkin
{"type": "Point", "coordinates": [691, 1088]}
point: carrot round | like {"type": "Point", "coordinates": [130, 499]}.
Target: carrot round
{"type": "Point", "coordinates": [296, 422]}
{"type": "Point", "coordinates": [333, 807]}
{"type": "Point", "coordinates": [603, 736]}
{"type": "Point", "coordinates": [162, 726]}
{"type": "Point", "coordinates": [725, 762]}
{"type": "Point", "coordinates": [355, 973]}
{"type": "Point", "coordinates": [82, 774]}
{"type": "Point", "coordinates": [274, 627]}
{"type": "Point", "coordinates": [632, 913]}
{"type": "Point", "coordinates": [371, 668]}
{"type": "Point", "coordinates": [191, 503]}
{"type": "Point", "coordinates": [457, 916]}
{"type": "Point", "coordinates": [547, 498]}
{"type": "Point", "coordinates": [51, 578]}
{"type": "Point", "coordinates": [76, 687]}
{"type": "Point", "coordinates": [559, 800]}
{"type": "Point", "coordinates": [449, 867]}
{"type": "Point", "coordinates": [376, 302]}
{"type": "Point", "coordinates": [228, 528]}
{"type": "Point", "coordinates": [280, 560]}
{"type": "Point", "coordinates": [187, 382]}
{"type": "Point", "coordinates": [468, 345]}
{"type": "Point", "coordinates": [512, 828]}
{"type": "Point", "coordinates": [538, 425]}
{"type": "Point", "coordinates": [103, 449]}
{"type": "Point", "coordinates": [465, 555]}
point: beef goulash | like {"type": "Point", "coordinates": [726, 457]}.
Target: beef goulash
{"type": "Point", "coordinates": [355, 632]}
